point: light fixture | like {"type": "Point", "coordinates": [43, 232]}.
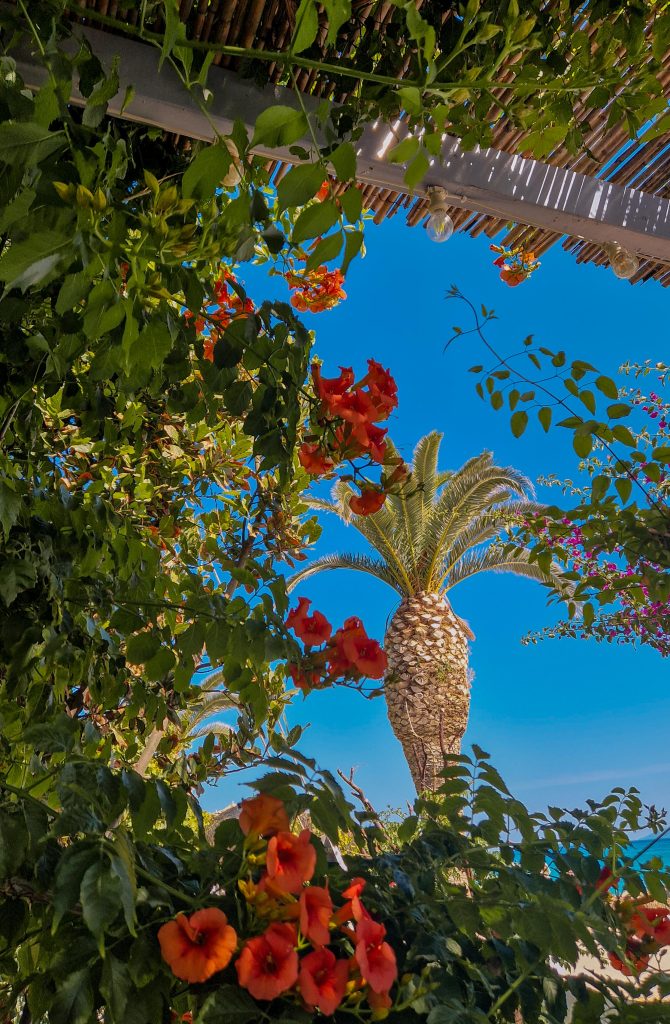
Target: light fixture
{"type": "Point", "coordinates": [624, 264]}
{"type": "Point", "coordinates": [440, 226]}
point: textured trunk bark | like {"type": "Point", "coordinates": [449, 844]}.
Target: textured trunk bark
{"type": "Point", "coordinates": [428, 683]}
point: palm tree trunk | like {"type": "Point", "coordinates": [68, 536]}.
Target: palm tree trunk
{"type": "Point", "coordinates": [428, 683]}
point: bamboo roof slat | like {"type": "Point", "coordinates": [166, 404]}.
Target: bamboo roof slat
{"type": "Point", "coordinates": [609, 153]}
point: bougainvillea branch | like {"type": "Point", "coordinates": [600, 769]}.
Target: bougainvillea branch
{"type": "Point", "coordinates": [610, 543]}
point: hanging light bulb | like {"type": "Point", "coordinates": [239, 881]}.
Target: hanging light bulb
{"type": "Point", "coordinates": [440, 226]}
{"type": "Point", "coordinates": [624, 264]}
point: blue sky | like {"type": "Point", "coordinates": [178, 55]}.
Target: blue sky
{"type": "Point", "coordinates": [563, 720]}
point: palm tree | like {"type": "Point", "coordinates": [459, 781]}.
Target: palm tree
{"type": "Point", "coordinates": [193, 722]}
{"type": "Point", "coordinates": [212, 699]}
{"type": "Point", "coordinates": [441, 532]}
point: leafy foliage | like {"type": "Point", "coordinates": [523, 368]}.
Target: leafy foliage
{"type": "Point", "coordinates": [150, 500]}
{"type": "Point", "coordinates": [611, 543]}
{"type": "Point", "coordinates": [448, 69]}
{"type": "Point", "coordinates": [481, 900]}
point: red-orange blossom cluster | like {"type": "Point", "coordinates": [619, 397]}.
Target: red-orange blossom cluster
{"type": "Point", "coordinates": [317, 290]}
{"type": "Point", "coordinates": [304, 949]}
{"type": "Point", "coordinates": [345, 426]}
{"type": "Point", "coordinates": [224, 306]}
{"type": "Point", "coordinates": [648, 931]}
{"type": "Point", "coordinates": [347, 653]}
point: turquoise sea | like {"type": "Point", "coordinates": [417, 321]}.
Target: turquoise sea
{"type": "Point", "coordinates": [660, 849]}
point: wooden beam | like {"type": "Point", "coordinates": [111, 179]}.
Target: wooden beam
{"type": "Point", "coordinates": [487, 181]}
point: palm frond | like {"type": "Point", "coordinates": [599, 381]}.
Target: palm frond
{"type": "Point", "coordinates": [383, 531]}
{"type": "Point", "coordinates": [210, 704]}
{"type": "Point", "coordinates": [484, 527]}
{"type": "Point", "coordinates": [321, 505]}
{"type": "Point", "coordinates": [412, 505]}
{"type": "Point", "coordinates": [492, 559]}
{"type": "Point", "coordinates": [424, 465]}
{"type": "Point", "coordinates": [441, 531]}
{"type": "Point", "coordinates": [214, 728]}
{"type": "Point", "coordinates": [475, 488]}
{"type": "Point", "coordinates": [362, 563]}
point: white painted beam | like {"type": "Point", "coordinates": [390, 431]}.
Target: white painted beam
{"type": "Point", "coordinates": [486, 181]}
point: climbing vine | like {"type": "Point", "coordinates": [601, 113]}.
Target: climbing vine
{"type": "Point", "coordinates": [159, 427]}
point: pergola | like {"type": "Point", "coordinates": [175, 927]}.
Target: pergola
{"type": "Point", "coordinates": [563, 199]}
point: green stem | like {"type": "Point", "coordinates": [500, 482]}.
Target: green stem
{"type": "Point", "coordinates": [194, 901]}
{"type": "Point", "coordinates": [501, 1000]}
{"type": "Point", "coordinates": [287, 59]}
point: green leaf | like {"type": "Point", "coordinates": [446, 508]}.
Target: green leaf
{"type": "Point", "coordinates": [487, 32]}
{"type": "Point", "coordinates": [29, 262]}
{"type": "Point", "coordinates": [174, 30]}
{"type": "Point", "coordinates": [300, 185]}
{"type": "Point", "coordinates": [417, 169]}
{"type": "Point", "coordinates": [624, 435]}
{"type": "Point", "coordinates": [410, 97]}
{"type": "Point", "coordinates": [607, 386]}
{"type": "Point", "coordinates": [206, 171]}
{"type": "Point", "coordinates": [53, 736]}
{"type": "Point", "coordinates": [16, 210]}
{"type": "Point", "coordinates": [352, 203]}
{"type": "Point", "coordinates": [422, 32]}
{"type": "Point", "coordinates": [624, 487]}
{"type": "Point", "coordinates": [279, 126]}
{"type": "Point", "coordinates": [153, 345]}
{"type": "Point", "coordinates": [306, 26]}
{"type": "Point", "coordinates": [100, 896]}
{"type": "Point", "coordinates": [115, 988]}
{"type": "Point", "coordinates": [315, 220]}
{"type": "Point", "coordinates": [123, 866]}
{"type": "Point", "coordinates": [407, 828]}
{"type": "Point", "coordinates": [10, 506]}
{"type": "Point", "coordinates": [229, 1003]}
{"type": "Point", "coordinates": [543, 141]}
{"type": "Point", "coordinates": [327, 249]}
{"type": "Point", "coordinates": [74, 289]}
{"type": "Point", "coordinates": [354, 241]}
{"type": "Point", "coordinates": [343, 160]}
{"type": "Point", "coordinates": [13, 843]}
{"type": "Point", "coordinates": [599, 488]}
{"type": "Point", "coordinates": [403, 151]}
{"type": "Point", "coordinates": [544, 416]}
{"type": "Point", "coordinates": [588, 614]}
{"type": "Point", "coordinates": [618, 410]}
{"type": "Point", "coordinates": [73, 865]}
{"type": "Point", "coordinates": [142, 647]}
{"type": "Point", "coordinates": [519, 422]}
{"type": "Point", "coordinates": [339, 12]}
{"type": "Point", "coordinates": [582, 443]}
{"type": "Point", "coordinates": [73, 1003]}
{"type": "Point", "coordinates": [17, 575]}
{"type": "Point", "coordinates": [25, 144]}
{"type": "Point", "coordinates": [98, 99]}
